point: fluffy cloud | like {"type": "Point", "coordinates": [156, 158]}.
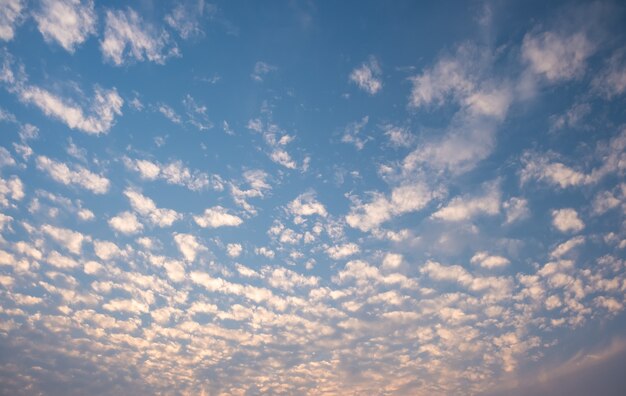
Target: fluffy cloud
{"type": "Point", "coordinates": [306, 205]}
{"type": "Point", "coordinates": [127, 36]}
{"type": "Point", "coordinates": [465, 208]}
{"type": "Point", "coordinates": [188, 246]}
{"type": "Point", "coordinates": [71, 240]}
{"type": "Point", "coordinates": [148, 209]}
{"type": "Point", "coordinates": [567, 220]}
{"type": "Point", "coordinates": [12, 188]}
{"type": "Point", "coordinates": [367, 76]}
{"type": "Point", "coordinates": [234, 249]}
{"type": "Point", "coordinates": [76, 175]}
{"type": "Point", "coordinates": [126, 223]}
{"type": "Point", "coordinates": [10, 17]}
{"type": "Point", "coordinates": [338, 252]}
{"type": "Point", "coordinates": [174, 173]}
{"type": "Point", "coordinates": [485, 260]}
{"type": "Point", "coordinates": [217, 216]}
{"type": "Point", "coordinates": [406, 198]}
{"type": "Point", "coordinates": [515, 209]}
{"type": "Point", "coordinates": [68, 22]}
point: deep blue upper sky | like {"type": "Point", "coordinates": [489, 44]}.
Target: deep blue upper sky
{"type": "Point", "coordinates": [312, 197]}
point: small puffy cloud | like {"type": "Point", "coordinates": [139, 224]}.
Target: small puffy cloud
{"type": "Point", "coordinates": [306, 205]}
{"type": "Point", "coordinates": [234, 249]}
{"type": "Point", "coordinates": [338, 252]}
{"type": "Point", "coordinates": [71, 240]}
{"type": "Point", "coordinates": [392, 261]}
{"type": "Point", "coordinates": [465, 208]}
{"type": "Point", "coordinates": [217, 216]}
{"type": "Point", "coordinates": [106, 250]}
{"type": "Point", "coordinates": [169, 113]}
{"type": "Point", "coordinates": [10, 17]}
{"type": "Point", "coordinates": [174, 173]}
{"type": "Point", "coordinates": [188, 246]}
{"type": "Point", "coordinates": [66, 22]}
{"type": "Point", "coordinates": [283, 158]}
{"type": "Point", "coordinates": [567, 246]}
{"type": "Point", "coordinates": [486, 260]}
{"type": "Point", "coordinates": [60, 261]}
{"type": "Point", "coordinates": [265, 252]}
{"type": "Point", "coordinates": [515, 209]}
{"type": "Point", "coordinates": [126, 305]}
{"type": "Point", "coordinates": [406, 198]}
{"type": "Point", "coordinates": [567, 220]}
{"type": "Point", "coordinates": [12, 188]}
{"type": "Point", "coordinates": [126, 223]}
{"type": "Point", "coordinates": [604, 201]}
{"type": "Point", "coordinates": [398, 136]}
{"type": "Point", "coordinates": [85, 214]}
{"type": "Point", "coordinates": [352, 132]}
{"type": "Point", "coordinates": [127, 36]}
{"type": "Point", "coordinates": [76, 175]}
{"type": "Point", "coordinates": [367, 76]}
{"type": "Point", "coordinates": [148, 209]}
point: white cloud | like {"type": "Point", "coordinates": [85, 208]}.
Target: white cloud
{"type": "Point", "coordinates": [126, 305]}
{"type": "Point", "coordinates": [185, 18]}
{"type": "Point", "coordinates": [175, 173]}
{"type": "Point", "coordinates": [126, 223]}
{"type": "Point", "coordinates": [77, 175]}
{"type": "Point", "coordinates": [283, 158]}
{"type": "Point", "coordinates": [12, 188]}
{"type": "Point", "coordinates": [234, 249]}
{"type": "Point", "coordinates": [611, 79]}
{"type": "Point", "coordinates": [516, 209]}
{"type": "Point", "coordinates": [85, 214]}
{"type": "Point", "coordinates": [486, 260]}
{"type": "Point", "coordinates": [406, 198]}
{"type": "Point", "coordinates": [169, 113]}
{"type": "Point", "coordinates": [470, 136]}
{"type": "Point", "coordinates": [127, 36]}
{"type": "Point", "coordinates": [367, 76]}
{"type": "Point", "coordinates": [106, 250]}
{"type": "Point", "coordinates": [188, 245]}
{"type": "Point", "coordinates": [392, 261]}
{"type": "Point", "coordinates": [260, 70]}
{"type": "Point", "coordinates": [338, 252]}
{"type": "Point", "coordinates": [567, 246]}
{"type": "Point", "coordinates": [71, 240]}
{"type": "Point", "coordinates": [217, 216]}
{"type": "Point", "coordinates": [398, 136]}
{"type": "Point", "coordinates": [352, 133]}
{"type": "Point", "coordinates": [10, 17]}
{"type": "Point", "coordinates": [68, 22]}
{"type": "Point", "coordinates": [306, 205]}
{"type": "Point", "coordinates": [566, 220]}
{"type": "Point", "coordinates": [263, 251]}
{"type": "Point", "coordinates": [58, 260]}
{"type": "Point", "coordinates": [148, 209]}
{"type": "Point", "coordinates": [465, 208]}
{"type": "Point", "coordinates": [557, 56]}
{"type": "Point", "coordinates": [604, 201]}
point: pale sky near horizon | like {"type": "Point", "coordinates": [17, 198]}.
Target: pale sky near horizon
{"type": "Point", "coordinates": [312, 197]}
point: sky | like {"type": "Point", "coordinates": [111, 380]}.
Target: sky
{"type": "Point", "coordinates": [312, 198]}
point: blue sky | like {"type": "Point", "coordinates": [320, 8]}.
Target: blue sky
{"type": "Point", "coordinates": [312, 197]}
